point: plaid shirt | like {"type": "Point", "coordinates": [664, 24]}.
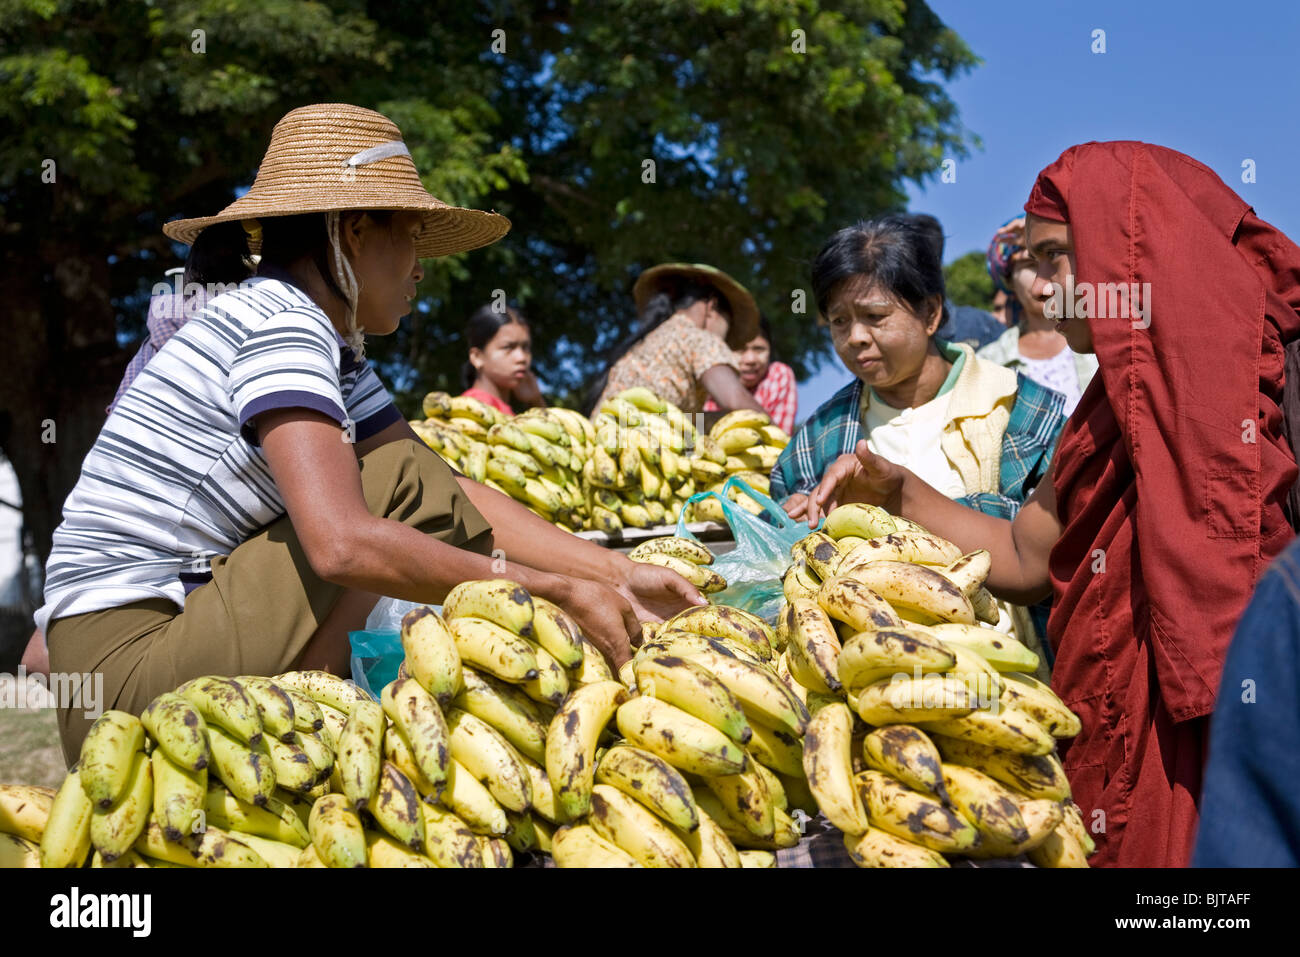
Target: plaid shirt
{"type": "Point", "coordinates": [834, 429]}
{"type": "Point", "coordinates": [777, 393]}
{"type": "Point", "coordinates": [167, 313]}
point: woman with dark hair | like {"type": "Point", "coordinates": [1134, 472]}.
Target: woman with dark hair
{"type": "Point", "coordinates": [772, 383]}
{"type": "Point", "coordinates": [972, 431]}
{"type": "Point", "coordinates": [255, 490]}
{"type": "Point", "coordinates": [690, 318]}
{"type": "Point", "coordinates": [499, 370]}
{"type": "Point", "coordinates": [1168, 491]}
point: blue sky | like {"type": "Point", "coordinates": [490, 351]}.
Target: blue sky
{"type": "Point", "coordinates": [1214, 80]}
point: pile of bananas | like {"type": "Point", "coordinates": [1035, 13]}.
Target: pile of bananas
{"type": "Point", "coordinates": [685, 556]}
{"type": "Point", "coordinates": [708, 771]}
{"type": "Point", "coordinates": [743, 443]}
{"type": "Point", "coordinates": [928, 734]}
{"type": "Point", "coordinates": [537, 457]}
{"type": "Point", "coordinates": [639, 473]}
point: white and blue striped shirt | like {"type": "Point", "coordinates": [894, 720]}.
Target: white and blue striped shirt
{"type": "Point", "coordinates": [176, 476]}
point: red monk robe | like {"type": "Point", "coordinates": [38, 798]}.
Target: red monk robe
{"type": "Point", "coordinates": [1170, 478]}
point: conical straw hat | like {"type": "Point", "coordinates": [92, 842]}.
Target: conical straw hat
{"type": "Point", "coordinates": [334, 156]}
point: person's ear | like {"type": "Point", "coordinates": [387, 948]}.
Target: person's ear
{"type": "Point", "coordinates": [476, 357]}
{"type": "Point", "coordinates": [351, 227]}
{"type": "Point", "coordinates": [935, 319]}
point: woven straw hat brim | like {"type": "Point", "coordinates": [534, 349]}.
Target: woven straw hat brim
{"type": "Point", "coordinates": [306, 170]}
{"type": "Point", "coordinates": [744, 310]}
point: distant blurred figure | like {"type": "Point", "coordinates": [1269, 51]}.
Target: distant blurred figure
{"type": "Point", "coordinates": [772, 383]}
{"type": "Point", "coordinates": [499, 370]}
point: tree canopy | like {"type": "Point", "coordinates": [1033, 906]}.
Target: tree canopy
{"type": "Point", "coordinates": [967, 281]}
{"type": "Point", "coordinates": [614, 135]}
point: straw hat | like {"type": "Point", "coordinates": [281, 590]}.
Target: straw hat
{"type": "Point", "coordinates": [334, 156]}
{"type": "Point", "coordinates": [744, 311]}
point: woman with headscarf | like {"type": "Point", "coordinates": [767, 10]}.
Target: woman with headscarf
{"type": "Point", "coordinates": [1032, 344]}
{"type": "Point", "coordinates": [1167, 490]}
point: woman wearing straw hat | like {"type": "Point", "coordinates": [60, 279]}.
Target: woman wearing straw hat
{"type": "Point", "coordinates": [255, 490]}
{"type": "Point", "coordinates": [690, 319]}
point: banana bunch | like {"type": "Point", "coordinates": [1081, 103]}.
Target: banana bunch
{"type": "Point", "coordinates": [685, 556]}
{"type": "Point", "coordinates": [743, 443]}
{"type": "Point", "coordinates": [709, 761]}
{"type": "Point", "coordinates": [929, 737]}
{"type": "Point", "coordinates": [456, 428]}
{"type": "Point", "coordinates": [537, 458]}
{"type": "Point", "coordinates": [220, 772]}
{"type": "Point", "coordinates": [639, 473]}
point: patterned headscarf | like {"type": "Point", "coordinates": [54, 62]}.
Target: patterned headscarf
{"type": "Point", "coordinates": [998, 258]}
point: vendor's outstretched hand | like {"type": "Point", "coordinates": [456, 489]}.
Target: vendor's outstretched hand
{"type": "Point", "coordinates": [862, 476]}
{"type": "Point", "coordinates": [656, 593]}
{"type": "Point", "coordinates": [605, 617]}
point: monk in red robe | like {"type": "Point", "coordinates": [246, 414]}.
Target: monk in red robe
{"type": "Point", "coordinates": [1166, 497]}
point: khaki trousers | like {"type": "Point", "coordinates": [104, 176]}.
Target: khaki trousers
{"type": "Point", "coordinates": [261, 608]}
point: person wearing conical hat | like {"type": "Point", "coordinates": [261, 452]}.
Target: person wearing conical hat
{"type": "Point", "coordinates": [691, 319]}
{"type": "Point", "coordinates": [255, 490]}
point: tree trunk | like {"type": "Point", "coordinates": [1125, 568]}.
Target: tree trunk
{"type": "Point", "coordinates": [63, 371]}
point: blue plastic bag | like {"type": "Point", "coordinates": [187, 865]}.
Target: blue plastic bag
{"type": "Point", "coordinates": [753, 569]}
{"type": "Point", "coordinates": [377, 651]}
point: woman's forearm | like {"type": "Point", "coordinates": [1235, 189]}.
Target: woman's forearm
{"type": "Point", "coordinates": [1018, 574]}
{"type": "Point", "coordinates": [527, 538]}
{"type": "Point", "coordinates": [389, 558]}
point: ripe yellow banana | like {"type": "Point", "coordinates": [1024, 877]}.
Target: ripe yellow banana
{"type": "Point", "coordinates": [1026, 693]}
{"type": "Point", "coordinates": [687, 549]}
{"type": "Point", "coordinates": [814, 648]}
{"type": "Point", "coordinates": [1035, 776]}
{"type": "Point", "coordinates": [224, 703]}
{"type": "Point", "coordinates": [740, 419]}
{"type": "Point", "coordinates": [877, 848]}
{"type": "Point", "coordinates": [723, 621]}
{"type": "Point", "coordinates": [361, 753]}
{"type": "Point", "coordinates": [912, 816]}
{"type": "Point", "coordinates": [274, 706]}
{"type": "Point", "coordinates": [749, 800]}
{"type": "Point", "coordinates": [337, 833]}
{"type": "Point", "coordinates": [212, 847]}
{"type": "Point", "coordinates": [414, 712]}
{"type": "Point", "coordinates": [464, 406]}
{"type": "Point", "coordinates": [114, 829]}
{"type": "Point", "coordinates": [65, 841]}
{"type": "Point", "coordinates": [985, 803]}
{"type": "Point", "coordinates": [107, 756]}
{"type": "Point", "coordinates": [486, 754]}
{"type": "Point", "coordinates": [872, 656]}
{"type": "Point", "coordinates": [828, 765]}
{"type": "Point", "coordinates": [472, 802]}
{"type": "Point", "coordinates": [24, 810]}
{"type": "Point", "coordinates": [447, 841]}
{"type": "Point", "coordinates": [798, 582]}
{"type": "Point", "coordinates": [913, 588]}
{"type": "Point", "coordinates": [249, 774]}
{"type": "Point", "coordinates": [384, 852]}
{"type": "Point", "coordinates": [689, 686]}
{"type": "Point", "coordinates": [786, 830]}
{"type": "Point", "coordinates": [652, 781]}
{"type": "Point", "coordinates": [763, 696]}
{"type": "Point", "coordinates": [982, 679]}
{"type": "Point", "coordinates": [682, 740]}
{"type": "Point", "coordinates": [18, 852]}
{"type": "Point", "coordinates": [491, 648]}
{"type": "Point", "coordinates": [277, 820]}
{"type": "Point", "coordinates": [594, 667]}
{"type": "Point", "coordinates": [853, 603]}
{"type": "Point", "coordinates": [179, 795]}
{"type": "Point", "coordinates": [627, 824]}
{"type": "Point", "coordinates": [905, 546]}
{"type": "Point", "coordinates": [396, 807]}
{"type": "Point", "coordinates": [291, 766]}
{"type": "Point", "coordinates": [552, 683]}
{"type": "Point", "coordinates": [685, 643]}
{"type": "Point", "coordinates": [914, 700]}
{"type": "Point", "coordinates": [1008, 728]}
{"type": "Point", "coordinates": [1058, 849]}
{"type": "Point", "coordinates": [820, 552]}
{"type": "Point", "coordinates": [571, 743]}
{"type": "Point", "coordinates": [858, 521]}
{"type": "Point", "coordinates": [431, 654]}
{"type": "Point", "coordinates": [580, 846]}
{"type": "Point", "coordinates": [709, 845]}
{"type": "Point", "coordinates": [497, 600]}
{"type": "Point", "coordinates": [323, 688]}
{"type": "Point", "coordinates": [507, 709]}
{"type": "Point", "coordinates": [179, 730]}
{"type": "Point", "coordinates": [557, 632]}
{"type": "Point", "coordinates": [1072, 818]}
{"type": "Point", "coordinates": [908, 754]}
{"type": "Point", "coordinates": [1001, 651]}
{"type": "Point", "coordinates": [703, 578]}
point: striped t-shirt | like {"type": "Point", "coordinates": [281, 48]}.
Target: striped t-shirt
{"type": "Point", "coordinates": [176, 476]}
